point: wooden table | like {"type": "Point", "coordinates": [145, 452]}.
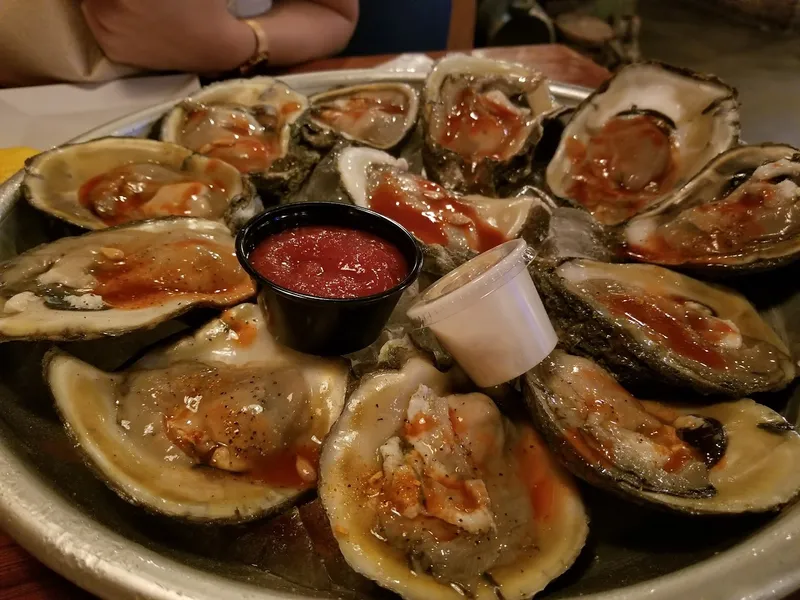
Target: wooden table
{"type": "Point", "coordinates": [558, 62]}
{"type": "Point", "coordinates": [22, 577]}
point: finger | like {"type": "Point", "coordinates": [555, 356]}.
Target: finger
{"type": "Point", "coordinates": [102, 35]}
{"type": "Point", "coordinates": [99, 14]}
{"type": "Point", "coordinates": [91, 21]}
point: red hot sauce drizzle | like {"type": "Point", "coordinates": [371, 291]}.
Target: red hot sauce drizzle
{"type": "Point", "coordinates": [716, 230]}
{"type": "Point", "coordinates": [427, 210]}
{"type": "Point", "coordinates": [330, 262]}
{"type": "Point", "coordinates": [121, 195]}
{"type": "Point", "coordinates": [191, 268]}
{"type": "Point", "coordinates": [674, 322]}
{"type": "Point", "coordinates": [622, 167]}
{"type": "Point", "coordinates": [248, 146]}
{"type": "Point", "coordinates": [344, 113]}
{"type": "Point", "coordinates": [479, 126]}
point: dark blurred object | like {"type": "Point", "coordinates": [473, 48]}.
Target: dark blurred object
{"type": "Point", "coordinates": [299, 546]}
{"type": "Point", "coordinates": [397, 27]}
{"type": "Point", "coordinates": [513, 23]}
{"type": "Point", "coordinates": [610, 44]}
{"type": "Point", "coordinates": [782, 15]}
{"type": "Point", "coordinates": [605, 30]}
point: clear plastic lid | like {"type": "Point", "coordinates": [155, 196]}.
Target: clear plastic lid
{"type": "Point", "coordinates": [471, 281]}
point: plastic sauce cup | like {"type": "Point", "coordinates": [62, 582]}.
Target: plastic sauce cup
{"type": "Point", "coordinates": [488, 315]}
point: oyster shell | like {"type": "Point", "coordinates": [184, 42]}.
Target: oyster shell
{"type": "Point", "coordinates": [117, 180]}
{"type": "Point", "coordinates": [482, 119]}
{"type": "Point", "coordinates": [223, 425]}
{"type": "Point", "coordinates": [120, 279]}
{"type": "Point", "coordinates": [639, 137]}
{"type": "Point", "coordinates": [249, 123]}
{"type": "Point", "coordinates": [438, 496]}
{"type": "Point", "coordinates": [740, 213]}
{"type": "Point", "coordinates": [379, 115]}
{"type": "Point", "coordinates": [649, 325]}
{"type": "Point", "coordinates": [451, 227]}
{"type": "Point", "coordinates": [726, 458]}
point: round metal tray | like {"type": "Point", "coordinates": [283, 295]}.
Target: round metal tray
{"type": "Point", "coordinates": [55, 508]}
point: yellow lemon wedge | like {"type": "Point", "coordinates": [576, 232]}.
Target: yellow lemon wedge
{"type": "Point", "coordinates": [13, 159]}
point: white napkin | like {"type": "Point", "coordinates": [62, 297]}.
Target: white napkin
{"type": "Point", "coordinates": [44, 116]}
{"type": "Point", "coordinates": [415, 63]}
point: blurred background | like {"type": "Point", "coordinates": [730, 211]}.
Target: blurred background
{"type": "Point", "coordinates": [751, 44]}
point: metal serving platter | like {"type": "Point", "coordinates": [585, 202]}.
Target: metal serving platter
{"type": "Point", "coordinates": [56, 508]}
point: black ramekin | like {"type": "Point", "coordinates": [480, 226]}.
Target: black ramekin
{"type": "Point", "coordinates": [326, 326]}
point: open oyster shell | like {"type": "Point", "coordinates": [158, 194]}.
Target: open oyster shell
{"type": "Point", "coordinates": [379, 115]}
{"type": "Point", "coordinates": [639, 137]}
{"type": "Point", "coordinates": [482, 119]}
{"type": "Point", "coordinates": [120, 279]}
{"type": "Point", "coordinates": [223, 425]}
{"type": "Point", "coordinates": [648, 325]}
{"type": "Point", "coordinates": [451, 227]}
{"type": "Point", "coordinates": [740, 213]}
{"type": "Point", "coordinates": [725, 458]}
{"type": "Point", "coordinates": [117, 180]}
{"type": "Point", "coordinates": [249, 123]}
{"type": "Point", "coordinates": [437, 495]}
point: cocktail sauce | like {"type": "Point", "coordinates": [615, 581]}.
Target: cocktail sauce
{"type": "Point", "coordinates": [329, 261]}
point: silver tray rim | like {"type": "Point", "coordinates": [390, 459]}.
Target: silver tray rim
{"type": "Point", "coordinates": [111, 566]}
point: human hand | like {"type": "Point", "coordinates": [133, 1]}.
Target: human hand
{"type": "Point", "coordinates": [181, 35]}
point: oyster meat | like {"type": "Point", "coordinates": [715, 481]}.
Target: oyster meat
{"type": "Point", "coordinates": [250, 124]}
{"type": "Point", "coordinates": [740, 213]}
{"type": "Point", "coordinates": [112, 181]}
{"type": "Point", "coordinates": [725, 458]}
{"type": "Point", "coordinates": [482, 119]}
{"type": "Point", "coordinates": [649, 325]}
{"type": "Point", "coordinates": [120, 279]}
{"type": "Point", "coordinates": [436, 495]}
{"type": "Point", "coordinates": [379, 115]}
{"type": "Point", "coordinates": [641, 136]}
{"type": "Point", "coordinates": [223, 425]}
{"type": "Point", "coordinates": [452, 228]}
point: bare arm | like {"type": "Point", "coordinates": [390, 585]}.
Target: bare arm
{"type": "Point", "coordinates": [201, 36]}
{"type": "Point", "coordinates": [301, 30]}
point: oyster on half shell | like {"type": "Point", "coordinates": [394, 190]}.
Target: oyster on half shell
{"type": "Point", "coordinates": [451, 227]}
{"type": "Point", "coordinates": [650, 325]}
{"type": "Point", "coordinates": [482, 120]}
{"type": "Point", "coordinates": [726, 458]}
{"type": "Point", "coordinates": [639, 137]}
{"type": "Point", "coordinates": [437, 495]}
{"type": "Point", "coordinates": [741, 213]}
{"type": "Point", "coordinates": [379, 115]}
{"type": "Point", "coordinates": [117, 180]}
{"type": "Point", "coordinates": [223, 425]}
{"type": "Point", "coordinates": [250, 124]}
{"type": "Point", "coordinates": [113, 281]}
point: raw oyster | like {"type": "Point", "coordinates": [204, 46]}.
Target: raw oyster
{"type": "Point", "coordinates": [731, 457]}
{"type": "Point", "coordinates": [112, 181]}
{"type": "Point", "coordinates": [249, 123]}
{"type": "Point", "coordinates": [641, 136]}
{"type": "Point", "coordinates": [648, 324]}
{"type": "Point", "coordinates": [740, 213]}
{"type": "Point", "coordinates": [452, 228]}
{"type": "Point", "coordinates": [224, 424]}
{"type": "Point", "coordinates": [435, 495]}
{"type": "Point", "coordinates": [482, 119]}
{"type": "Point", "coordinates": [379, 115]}
{"type": "Point", "coordinates": [120, 279]}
